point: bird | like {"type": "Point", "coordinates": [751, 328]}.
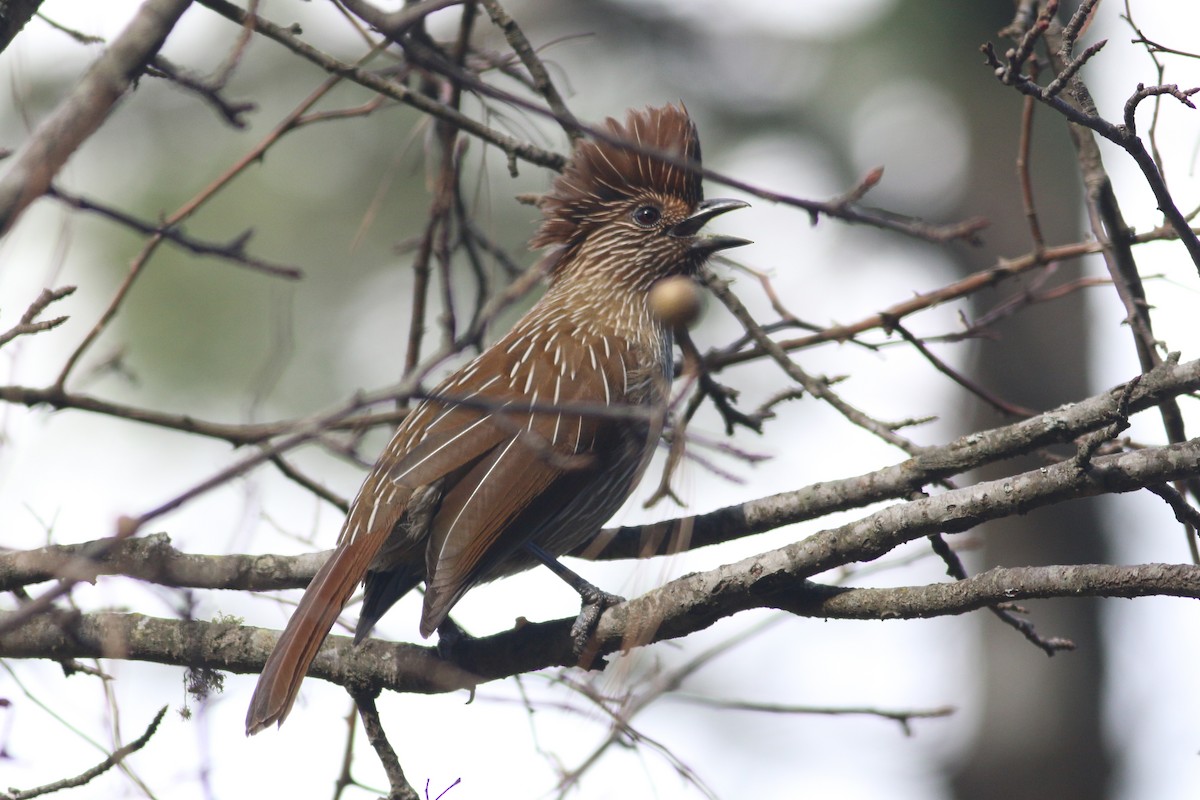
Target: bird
{"type": "Point", "coordinates": [525, 452]}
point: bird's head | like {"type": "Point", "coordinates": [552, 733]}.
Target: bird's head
{"type": "Point", "coordinates": [620, 210]}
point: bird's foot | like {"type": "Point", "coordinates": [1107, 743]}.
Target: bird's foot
{"type": "Point", "coordinates": [450, 636]}
{"type": "Point", "coordinates": [595, 601]}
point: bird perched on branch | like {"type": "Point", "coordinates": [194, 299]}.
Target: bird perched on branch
{"type": "Point", "coordinates": [524, 453]}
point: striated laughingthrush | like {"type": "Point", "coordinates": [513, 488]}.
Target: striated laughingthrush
{"type": "Point", "coordinates": [514, 460]}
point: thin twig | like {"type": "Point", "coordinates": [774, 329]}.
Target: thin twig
{"type": "Point", "coordinates": [29, 323]}
{"type": "Point", "coordinates": [537, 70]}
{"type": "Point", "coordinates": [377, 736]}
{"type": "Point", "coordinates": [956, 570]}
{"type": "Point", "coordinates": [232, 112]}
{"type": "Point", "coordinates": [1003, 270]}
{"type": "Point", "coordinates": [86, 777]}
{"type": "Point", "coordinates": [817, 388]}
{"type": "Point", "coordinates": [987, 396]}
{"type": "Point", "coordinates": [234, 251]}
{"type": "Point", "coordinates": [902, 716]}
{"type": "Point", "coordinates": [1123, 136]}
{"type": "Point", "coordinates": [515, 149]}
{"type": "Point", "coordinates": [1035, 227]}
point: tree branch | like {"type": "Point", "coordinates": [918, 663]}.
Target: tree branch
{"type": "Point", "coordinates": [152, 558]}
{"type": "Point", "coordinates": [87, 106]}
{"type": "Point", "coordinates": [86, 777]}
{"type": "Point", "coordinates": [412, 668]}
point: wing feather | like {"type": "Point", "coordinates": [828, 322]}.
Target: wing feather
{"type": "Point", "coordinates": [489, 514]}
{"type": "Point", "coordinates": [522, 486]}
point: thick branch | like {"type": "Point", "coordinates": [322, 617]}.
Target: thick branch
{"type": "Point", "coordinates": [412, 668]}
{"type": "Point", "coordinates": [153, 559]}
{"type": "Point", "coordinates": [85, 108]}
{"type": "Point", "coordinates": [774, 579]}
{"type": "Point", "coordinates": [1059, 425]}
{"type": "Point", "coordinates": [998, 585]}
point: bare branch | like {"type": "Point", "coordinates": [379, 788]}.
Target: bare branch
{"type": "Point", "coordinates": [86, 777]}
{"type": "Point", "coordinates": [377, 736]}
{"type": "Point", "coordinates": [234, 250]}
{"type": "Point", "coordinates": [537, 70]}
{"type": "Point", "coordinates": [516, 150]}
{"type": "Point", "coordinates": [231, 111]}
{"type": "Point", "coordinates": [1003, 270]}
{"type": "Point", "coordinates": [87, 106]}
{"type": "Point", "coordinates": [151, 558]}
{"type": "Point", "coordinates": [1123, 136]}
{"type": "Point", "coordinates": [1059, 425]}
{"type": "Point", "coordinates": [29, 323]}
{"type": "Point", "coordinates": [902, 716]}
{"type": "Point", "coordinates": [655, 616]}
{"type": "Point", "coordinates": [1003, 611]}
{"type": "Point", "coordinates": [511, 146]}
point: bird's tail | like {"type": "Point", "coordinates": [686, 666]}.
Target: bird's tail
{"type": "Point", "coordinates": [297, 646]}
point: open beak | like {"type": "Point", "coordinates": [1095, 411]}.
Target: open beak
{"type": "Point", "coordinates": [704, 212]}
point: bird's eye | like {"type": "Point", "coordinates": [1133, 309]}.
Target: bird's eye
{"type": "Point", "coordinates": [647, 216]}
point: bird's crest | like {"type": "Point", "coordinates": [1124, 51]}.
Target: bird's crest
{"type": "Point", "coordinates": [600, 172]}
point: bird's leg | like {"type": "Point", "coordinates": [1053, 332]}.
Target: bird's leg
{"type": "Point", "coordinates": [594, 599]}
{"type": "Point", "coordinates": [450, 635]}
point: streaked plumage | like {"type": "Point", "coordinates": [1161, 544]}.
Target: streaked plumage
{"type": "Point", "coordinates": [511, 452]}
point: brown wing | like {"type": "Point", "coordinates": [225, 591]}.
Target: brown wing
{"type": "Point", "coordinates": [500, 485]}
{"type": "Point", "coordinates": [555, 456]}
{"type": "Point", "coordinates": [433, 442]}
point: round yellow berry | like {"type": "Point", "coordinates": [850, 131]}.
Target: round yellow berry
{"type": "Point", "coordinates": [675, 301]}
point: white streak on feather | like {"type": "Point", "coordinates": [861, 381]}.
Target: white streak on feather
{"type": "Point", "coordinates": [474, 493]}
{"type": "Point", "coordinates": [604, 380]}
{"type": "Point", "coordinates": [601, 150]}
{"type": "Point", "coordinates": [450, 407]}
{"type": "Point", "coordinates": [532, 414]}
{"type": "Point", "coordinates": [374, 511]}
{"type": "Point", "coordinates": [398, 478]}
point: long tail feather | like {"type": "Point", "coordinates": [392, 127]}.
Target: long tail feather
{"type": "Point", "coordinates": [301, 639]}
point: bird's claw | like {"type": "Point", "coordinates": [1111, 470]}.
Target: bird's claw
{"type": "Point", "coordinates": [450, 636]}
{"type": "Point", "coordinates": [594, 604]}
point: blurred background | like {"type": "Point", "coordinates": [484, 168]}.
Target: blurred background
{"type": "Point", "coordinates": [801, 97]}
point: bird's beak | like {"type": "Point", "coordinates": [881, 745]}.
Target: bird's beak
{"type": "Point", "coordinates": [704, 212]}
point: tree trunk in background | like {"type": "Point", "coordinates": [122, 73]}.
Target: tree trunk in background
{"type": "Point", "coordinates": [1040, 734]}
